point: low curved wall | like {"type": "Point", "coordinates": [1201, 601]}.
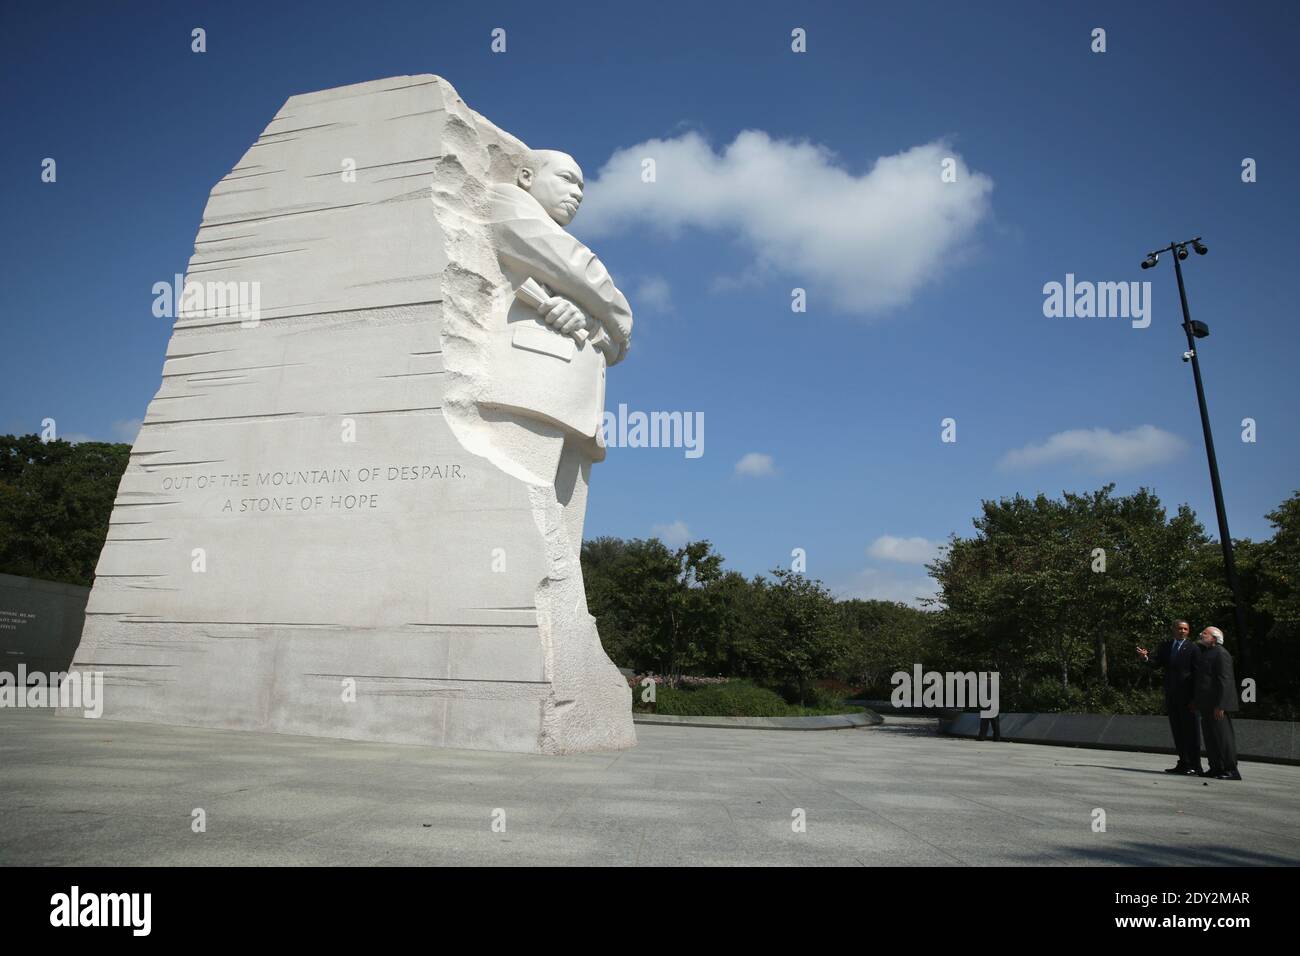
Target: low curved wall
{"type": "Point", "coordinates": [1272, 741]}
{"type": "Point", "coordinates": [826, 722]}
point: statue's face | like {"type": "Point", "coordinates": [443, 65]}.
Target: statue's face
{"type": "Point", "coordinates": [556, 183]}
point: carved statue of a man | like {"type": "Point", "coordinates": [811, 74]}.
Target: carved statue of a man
{"type": "Point", "coordinates": [549, 359]}
{"type": "Point", "coordinates": [584, 294]}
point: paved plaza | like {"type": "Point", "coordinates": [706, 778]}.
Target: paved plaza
{"type": "Point", "coordinates": [95, 792]}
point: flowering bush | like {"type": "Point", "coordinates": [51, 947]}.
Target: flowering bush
{"type": "Point", "coordinates": [681, 680]}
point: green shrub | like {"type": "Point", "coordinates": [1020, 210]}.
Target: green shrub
{"type": "Point", "coordinates": [1111, 700]}
{"type": "Point", "coordinates": [826, 697]}
{"type": "Point", "coordinates": [733, 699]}
{"type": "Point", "coordinates": [1047, 696]}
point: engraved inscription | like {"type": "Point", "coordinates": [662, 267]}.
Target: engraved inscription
{"type": "Point", "coordinates": [343, 489]}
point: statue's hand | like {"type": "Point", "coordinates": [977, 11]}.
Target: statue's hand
{"type": "Point", "coordinates": [563, 316]}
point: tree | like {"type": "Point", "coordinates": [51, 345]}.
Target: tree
{"type": "Point", "coordinates": [1279, 566]}
{"type": "Point", "coordinates": [1052, 593]}
{"type": "Point", "coordinates": [1270, 578]}
{"type": "Point", "coordinates": [656, 609]}
{"type": "Point", "coordinates": [1063, 588]}
{"type": "Point", "coordinates": [802, 634]}
{"type": "Point", "coordinates": [884, 637]}
{"type": "Point", "coordinates": [628, 585]}
{"type": "Point", "coordinates": [55, 501]}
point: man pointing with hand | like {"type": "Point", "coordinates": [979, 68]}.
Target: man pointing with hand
{"type": "Point", "coordinates": [1177, 657]}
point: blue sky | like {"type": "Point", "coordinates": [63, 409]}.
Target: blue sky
{"type": "Point", "coordinates": [1091, 159]}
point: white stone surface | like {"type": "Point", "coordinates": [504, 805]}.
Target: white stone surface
{"type": "Point", "coordinates": [382, 475]}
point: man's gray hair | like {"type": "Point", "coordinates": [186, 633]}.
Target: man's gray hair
{"type": "Point", "coordinates": [1215, 633]}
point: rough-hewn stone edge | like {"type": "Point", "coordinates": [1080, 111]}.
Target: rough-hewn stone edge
{"type": "Point", "coordinates": [825, 722]}
{"type": "Point", "coordinates": [1267, 741]}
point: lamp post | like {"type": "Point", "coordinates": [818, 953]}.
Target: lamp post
{"type": "Point", "coordinates": [1194, 331]}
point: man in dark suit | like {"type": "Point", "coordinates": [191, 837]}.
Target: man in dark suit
{"type": "Point", "coordinates": [986, 723]}
{"type": "Point", "coordinates": [1215, 699]}
{"type": "Point", "coordinates": [1176, 657]}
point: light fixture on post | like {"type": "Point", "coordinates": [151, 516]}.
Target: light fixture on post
{"type": "Point", "coordinates": [1199, 330]}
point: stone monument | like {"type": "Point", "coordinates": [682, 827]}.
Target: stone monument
{"type": "Point", "coordinates": [356, 503]}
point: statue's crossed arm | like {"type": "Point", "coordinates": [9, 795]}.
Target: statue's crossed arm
{"type": "Point", "coordinates": [569, 269]}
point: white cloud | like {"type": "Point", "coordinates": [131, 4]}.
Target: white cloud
{"type": "Point", "coordinates": [872, 584]}
{"type": "Point", "coordinates": [756, 465]}
{"type": "Point", "coordinates": [869, 240]}
{"type": "Point", "coordinates": [904, 550]}
{"type": "Point", "coordinates": [754, 275]}
{"type": "Point", "coordinates": [674, 535]}
{"type": "Point", "coordinates": [653, 293]}
{"type": "Point", "coordinates": [1100, 449]}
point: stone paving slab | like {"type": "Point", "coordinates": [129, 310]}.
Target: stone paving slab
{"type": "Point", "coordinates": [95, 792]}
